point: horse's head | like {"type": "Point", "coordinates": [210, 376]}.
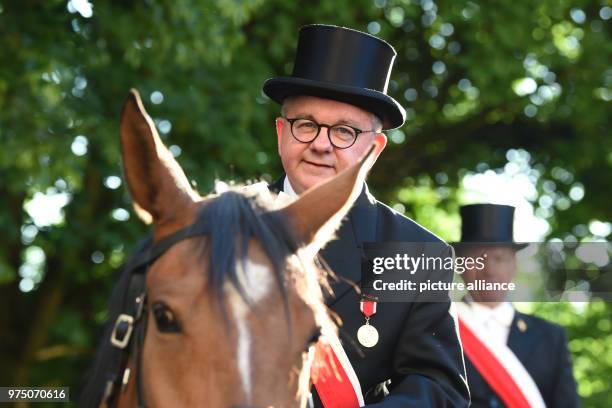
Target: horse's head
{"type": "Point", "coordinates": [233, 298]}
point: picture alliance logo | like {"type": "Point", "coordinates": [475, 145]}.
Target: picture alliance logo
{"type": "Point", "coordinates": [412, 264]}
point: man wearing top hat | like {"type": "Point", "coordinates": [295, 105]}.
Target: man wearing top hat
{"type": "Point", "coordinates": [334, 106]}
{"type": "Point", "coordinates": [512, 359]}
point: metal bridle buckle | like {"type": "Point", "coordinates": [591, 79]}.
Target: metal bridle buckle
{"type": "Point", "coordinates": [122, 342]}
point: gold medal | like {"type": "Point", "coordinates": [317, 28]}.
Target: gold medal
{"type": "Point", "coordinates": [367, 335]}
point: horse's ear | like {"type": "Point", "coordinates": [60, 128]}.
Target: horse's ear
{"type": "Point", "coordinates": [157, 183]}
{"type": "Point", "coordinates": [317, 213]}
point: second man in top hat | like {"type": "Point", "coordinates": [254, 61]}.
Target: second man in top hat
{"type": "Point", "coordinates": [512, 359]}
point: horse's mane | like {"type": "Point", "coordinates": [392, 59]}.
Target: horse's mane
{"type": "Point", "coordinates": [232, 218]}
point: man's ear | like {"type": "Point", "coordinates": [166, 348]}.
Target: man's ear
{"type": "Point", "coordinates": [380, 140]}
{"type": "Point", "coordinates": [279, 134]}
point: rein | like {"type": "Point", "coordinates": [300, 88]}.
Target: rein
{"type": "Point", "coordinates": [129, 329]}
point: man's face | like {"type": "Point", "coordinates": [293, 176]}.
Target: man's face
{"type": "Point", "coordinates": [308, 164]}
{"type": "Point", "coordinates": [499, 267]}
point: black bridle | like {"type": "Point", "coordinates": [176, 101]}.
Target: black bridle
{"type": "Point", "coordinates": [129, 329]}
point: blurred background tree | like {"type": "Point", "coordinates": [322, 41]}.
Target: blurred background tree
{"type": "Point", "coordinates": [494, 91]}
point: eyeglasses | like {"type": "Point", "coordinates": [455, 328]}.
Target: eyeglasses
{"type": "Point", "coordinates": [340, 136]}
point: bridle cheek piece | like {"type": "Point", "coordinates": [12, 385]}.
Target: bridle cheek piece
{"type": "Point", "coordinates": [128, 331]}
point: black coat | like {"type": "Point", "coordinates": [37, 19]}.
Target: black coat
{"type": "Point", "coordinates": [418, 360]}
{"type": "Point", "coordinates": [542, 348]}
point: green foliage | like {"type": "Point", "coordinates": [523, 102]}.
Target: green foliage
{"type": "Point", "coordinates": [477, 79]}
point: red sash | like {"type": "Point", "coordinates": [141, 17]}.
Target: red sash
{"type": "Point", "coordinates": [497, 363]}
{"type": "Point", "coordinates": [493, 372]}
{"type": "Point", "coordinates": [334, 377]}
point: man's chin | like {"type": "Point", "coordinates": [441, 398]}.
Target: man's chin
{"type": "Point", "coordinates": [489, 297]}
{"type": "Point", "coordinates": [313, 180]}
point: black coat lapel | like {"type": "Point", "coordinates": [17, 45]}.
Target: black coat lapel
{"type": "Point", "coordinates": [344, 259]}
{"type": "Point", "coordinates": [344, 255]}
{"type": "Point", "coordinates": [364, 218]}
{"type": "Point", "coordinates": [521, 337]}
{"type": "Point", "coordinates": [277, 186]}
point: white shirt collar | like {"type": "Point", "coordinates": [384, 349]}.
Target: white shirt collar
{"type": "Point", "coordinates": [287, 189]}
{"type": "Point", "coordinates": [502, 313]}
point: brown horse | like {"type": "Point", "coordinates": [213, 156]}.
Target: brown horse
{"type": "Point", "coordinates": [221, 306]}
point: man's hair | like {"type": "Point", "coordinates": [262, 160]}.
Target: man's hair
{"type": "Point", "coordinates": [376, 122]}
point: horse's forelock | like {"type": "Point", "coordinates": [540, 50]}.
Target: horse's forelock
{"type": "Point", "coordinates": [234, 218]}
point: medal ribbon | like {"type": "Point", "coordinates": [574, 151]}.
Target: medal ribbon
{"type": "Point", "coordinates": [368, 307]}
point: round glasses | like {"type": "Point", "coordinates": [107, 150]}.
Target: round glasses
{"type": "Point", "coordinates": [340, 136]}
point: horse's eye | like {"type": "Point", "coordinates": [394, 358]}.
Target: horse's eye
{"type": "Point", "coordinates": [314, 337]}
{"type": "Point", "coordinates": [164, 318]}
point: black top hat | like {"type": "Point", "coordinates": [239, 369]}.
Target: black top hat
{"type": "Point", "coordinates": [488, 223]}
{"type": "Point", "coordinates": [345, 65]}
